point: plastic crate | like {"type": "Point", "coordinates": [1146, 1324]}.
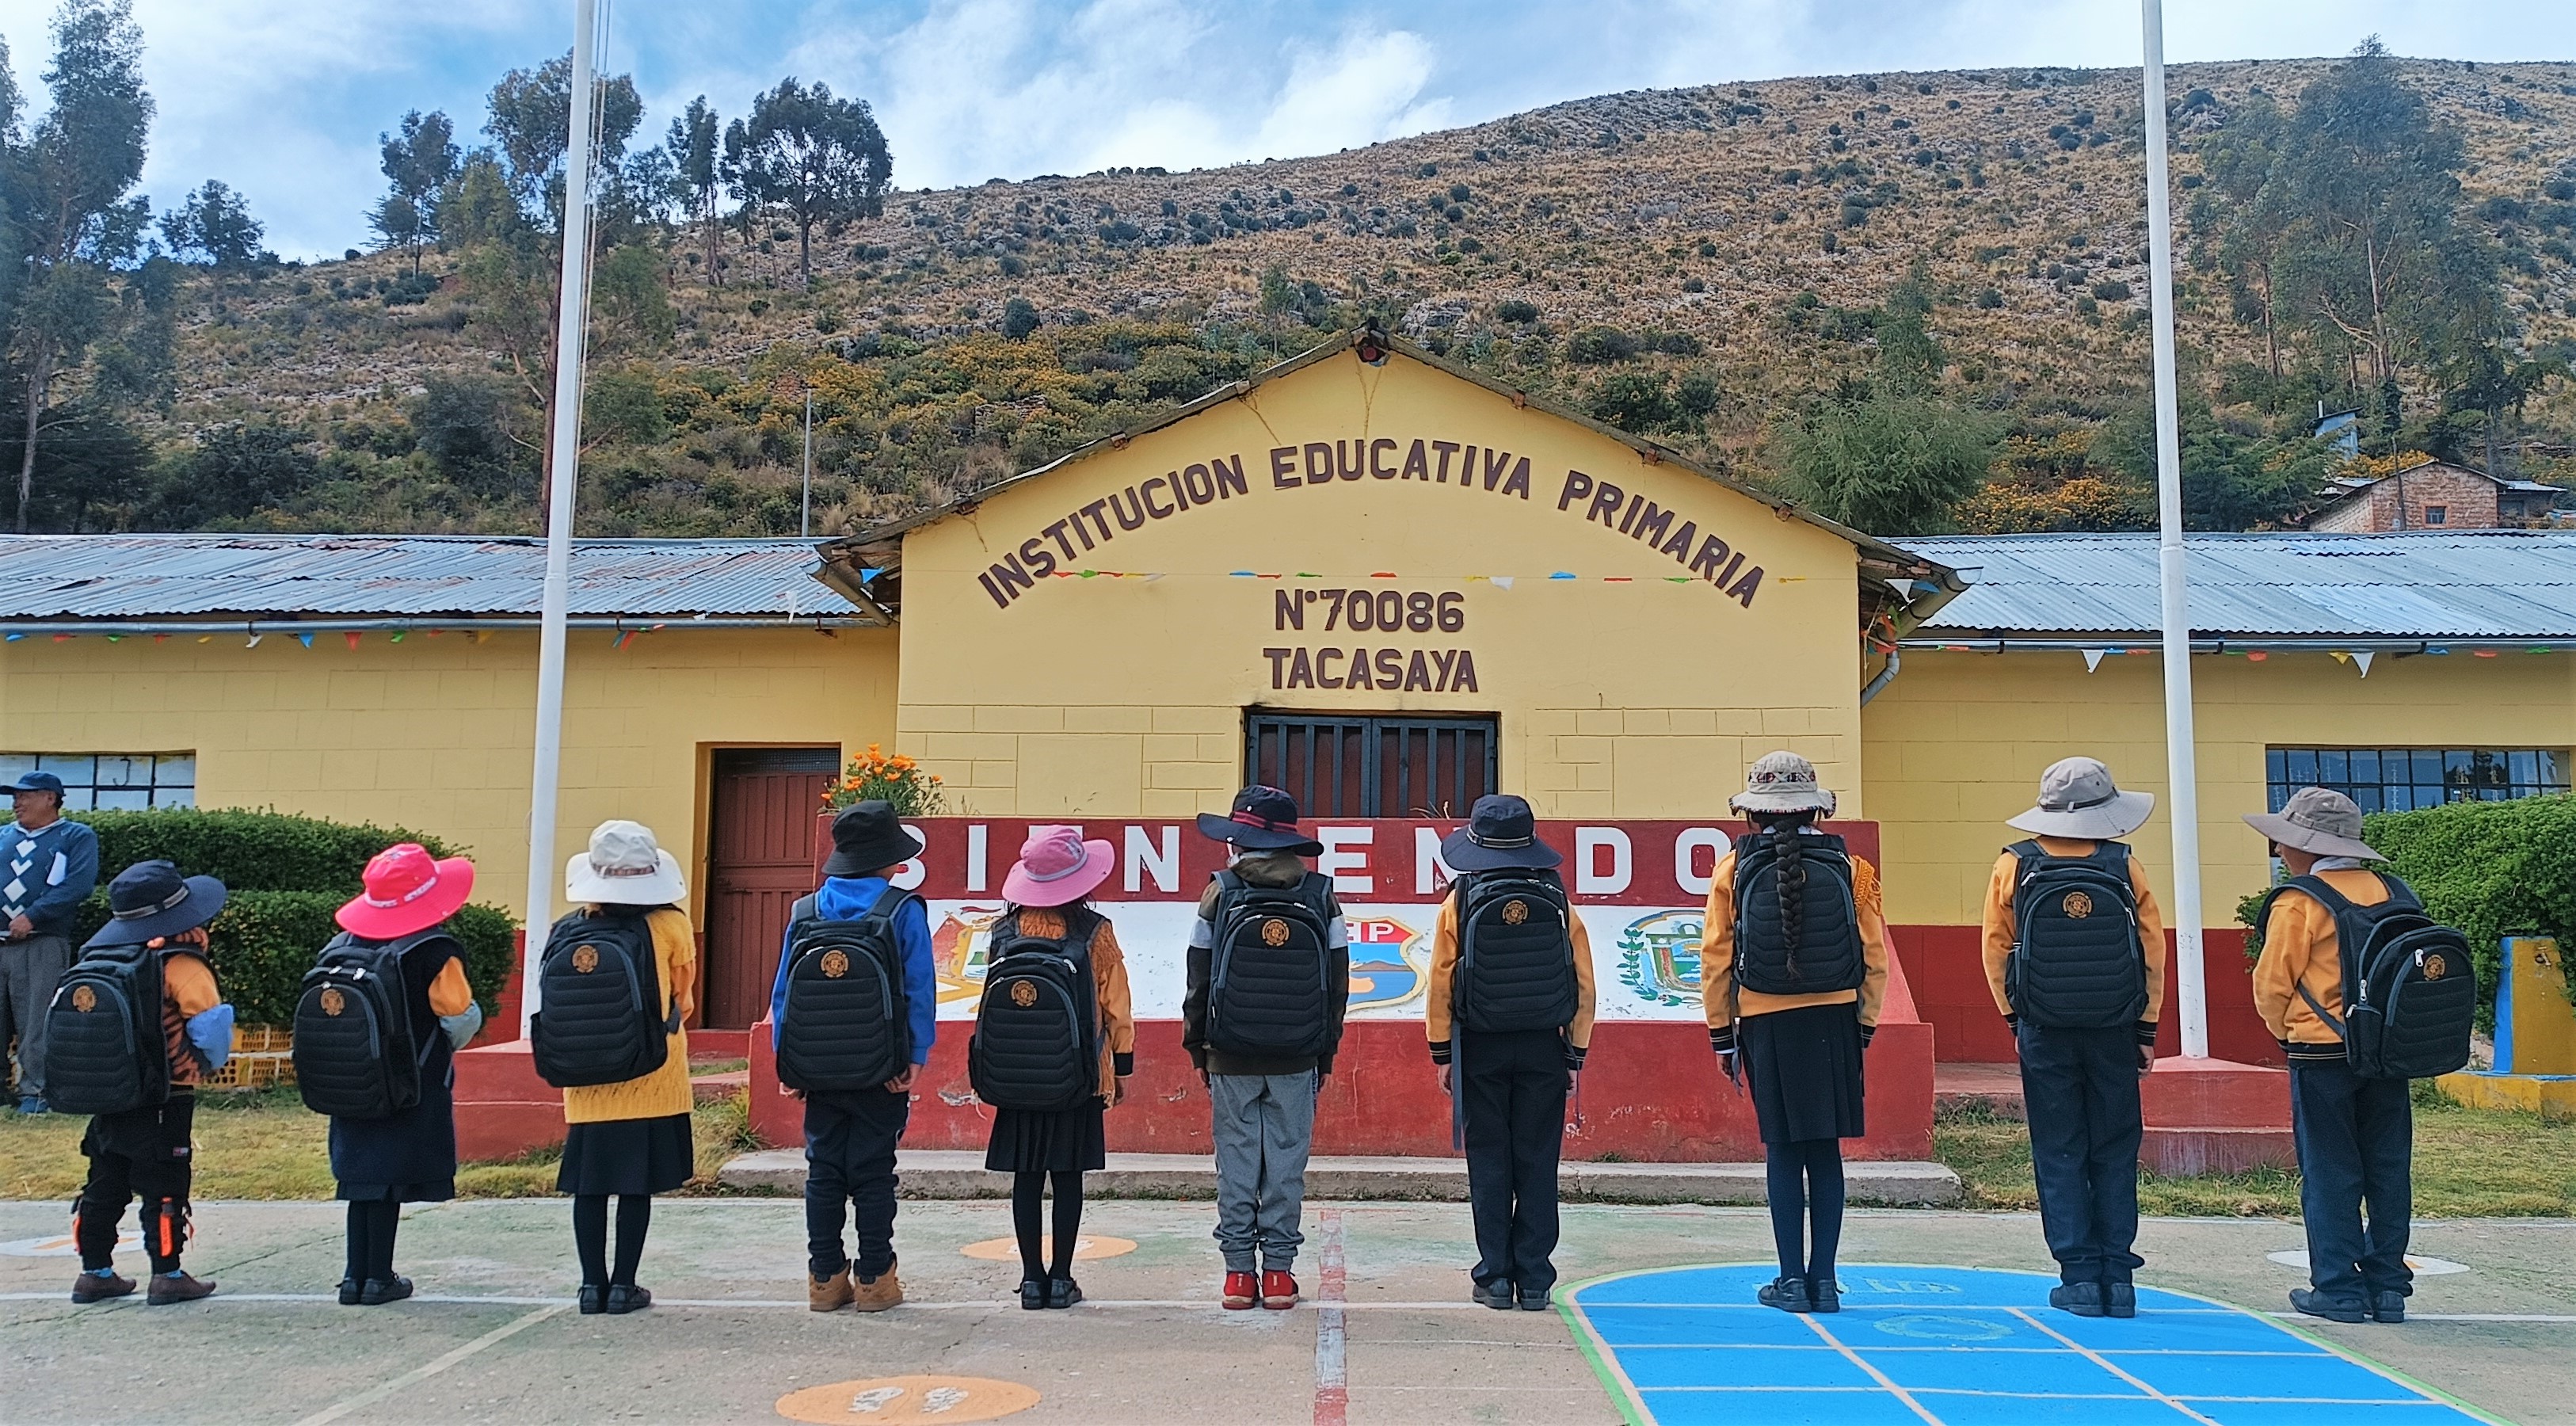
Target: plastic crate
{"type": "Point", "coordinates": [262, 1058]}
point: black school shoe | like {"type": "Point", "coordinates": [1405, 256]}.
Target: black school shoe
{"type": "Point", "coordinates": [2084, 1299]}
{"type": "Point", "coordinates": [1535, 1299]}
{"type": "Point", "coordinates": [2119, 1299]}
{"type": "Point", "coordinates": [1033, 1294]}
{"type": "Point", "coordinates": [1496, 1295]}
{"type": "Point", "coordinates": [1061, 1292]}
{"type": "Point", "coordinates": [350, 1291]}
{"type": "Point", "coordinates": [381, 1290]}
{"type": "Point", "coordinates": [2389, 1307]}
{"type": "Point", "coordinates": [2317, 1304]}
{"type": "Point", "coordinates": [1789, 1294]}
{"type": "Point", "coordinates": [1824, 1294]}
{"type": "Point", "coordinates": [625, 1297]}
{"type": "Point", "coordinates": [593, 1299]}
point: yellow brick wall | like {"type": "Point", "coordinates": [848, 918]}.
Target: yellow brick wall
{"type": "Point", "coordinates": [1956, 744]}
{"type": "Point", "coordinates": [435, 734]}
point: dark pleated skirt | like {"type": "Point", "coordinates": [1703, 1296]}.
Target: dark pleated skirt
{"type": "Point", "coordinates": [407, 1158]}
{"type": "Point", "coordinates": [1803, 1068]}
{"type": "Point", "coordinates": [627, 1156]}
{"type": "Point", "coordinates": [1061, 1141]}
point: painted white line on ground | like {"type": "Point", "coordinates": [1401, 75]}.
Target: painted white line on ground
{"type": "Point", "coordinates": [431, 1369]}
{"type": "Point", "coordinates": [2447, 1317]}
{"type": "Point", "coordinates": [1886, 1382]}
{"type": "Point", "coordinates": [2106, 1364]}
{"type": "Point", "coordinates": [780, 1303]}
{"type": "Point", "coordinates": [1332, 1362]}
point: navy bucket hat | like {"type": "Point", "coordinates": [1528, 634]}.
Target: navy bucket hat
{"type": "Point", "coordinates": [1264, 819]}
{"type": "Point", "coordinates": [149, 900]}
{"type": "Point", "coordinates": [1501, 832]}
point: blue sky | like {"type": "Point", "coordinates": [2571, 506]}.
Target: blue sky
{"type": "Point", "coordinates": [284, 98]}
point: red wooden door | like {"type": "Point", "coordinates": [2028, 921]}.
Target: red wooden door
{"type": "Point", "coordinates": [760, 859]}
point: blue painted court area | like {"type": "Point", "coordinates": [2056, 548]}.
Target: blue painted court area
{"type": "Point", "coordinates": [1968, 1347]}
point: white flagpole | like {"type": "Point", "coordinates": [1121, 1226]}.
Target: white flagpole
{"type": "Point", "coordinates": [563, 467]}
{"type": "Point", "coordinates": [2182, 798]}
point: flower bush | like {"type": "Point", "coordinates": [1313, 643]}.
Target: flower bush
{"type": "Point", "coordinates": [874, 775]}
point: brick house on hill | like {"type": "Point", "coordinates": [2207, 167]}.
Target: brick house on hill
{"type": "Point", "coordinates": [2431, 495]}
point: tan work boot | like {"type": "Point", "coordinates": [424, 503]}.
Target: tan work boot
{"type": "Point", "coordinates": [829, 1294]}
{"type": "Point", "coordinates": [878, 1293]}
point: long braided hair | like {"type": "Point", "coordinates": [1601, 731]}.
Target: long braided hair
{"type": "Point", "coordinates": [1789, 879]}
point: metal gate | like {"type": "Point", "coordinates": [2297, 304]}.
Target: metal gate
{"type": "Point", "coordinates": [1373, 767]}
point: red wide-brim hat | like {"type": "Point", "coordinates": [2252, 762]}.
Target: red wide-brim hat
{"type": "Point", "coordinates": [407, 891]}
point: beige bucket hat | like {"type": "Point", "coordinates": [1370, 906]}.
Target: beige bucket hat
{"type": "Point", "coordinates": [2077, 798]}
{"type": "Point", "coordinates": [624, 867]}
{"type": "Point", "coordinates": [2319, 820]}
{"type": "Point", "coordinates": [1782, 782]}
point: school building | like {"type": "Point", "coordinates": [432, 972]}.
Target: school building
{"type": "Point", "coordinates": [1384, 581]}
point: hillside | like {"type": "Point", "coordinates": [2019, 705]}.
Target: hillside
{"type": "Point", "coordinates": [1744, 233]}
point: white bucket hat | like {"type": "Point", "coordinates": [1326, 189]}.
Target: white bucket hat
{"type": "Point", "coordinates": [2078, 799]}
{"type": "Point", "coordinates": [1782, 782]}
{"type": "Point", "coordinates": [624, 867]}
{"type": "Point", "coordinates": [2318, 820]}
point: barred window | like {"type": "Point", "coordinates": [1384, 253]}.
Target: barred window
{"type": "Point", "coordinates": [2401, 779]}
{"type": "Point", "coordinates": [112, 782]}
{"type": "Point", "coordinates": [1373, 767]}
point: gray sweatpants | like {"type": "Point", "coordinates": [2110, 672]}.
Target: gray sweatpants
{"type": "Point", "coordinates": [29, 970]}
{"type": "Point", "coordinates": [1265, 1128]}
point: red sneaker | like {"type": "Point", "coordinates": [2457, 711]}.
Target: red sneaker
{"type": "Point", "coordinates": [1240, 1291]}
{"type": "Point", "coordinates": [1278, 1290]}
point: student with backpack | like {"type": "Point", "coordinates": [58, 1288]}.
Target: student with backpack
{"type": "Point", "coordinates": [1793, 970]}
{"type": "Point", "coordinates": [1054, 1043]}
{"type": "Point", "coordinates": [617, 978]}
{"type": "Point", "coordinates": [1509, 1015]}
{"type": "Point", "coordinates": [2364, 992]}
{"type": "Point", "coordinates": [2075, 957]}
{"type": "Point", "coordinates": [382, 1013]}
{"type": "Point", "coordinates": [135, 1026]}
{"type": "Point", "coordinates": [852, 1017]}
{"type": "Point", "coordinates": [1269, 975]}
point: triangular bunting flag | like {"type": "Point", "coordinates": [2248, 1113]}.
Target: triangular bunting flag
{"type": "Point", "coordinates": [2093, 659]}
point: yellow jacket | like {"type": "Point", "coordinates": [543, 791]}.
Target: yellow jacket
{"type": "Point", "coordinates": [1720, 1001]}
{"type": "Point", "coordinates": [2300, 949]}
{"type": "Point", "coordinates": [1437, 1012]}
{"type": "Point", "coordinates": [665, 1091]}
{"type": "Point", "coordinates": [2001, 929]}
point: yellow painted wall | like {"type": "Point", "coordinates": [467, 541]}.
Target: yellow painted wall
{"type": "Point", "coordinates": [1124, 696]}
{"type": "Point", "coordinates": [435, 734]}
{"type": "Point", "coordinates": [1956, 744]}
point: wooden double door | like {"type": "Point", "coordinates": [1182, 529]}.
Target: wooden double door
{"type": "Point", "coordinates": [760, 859]}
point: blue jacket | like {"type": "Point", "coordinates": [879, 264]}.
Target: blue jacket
{"type": "Point", "coordinates": [48, 880]}
{"type": "Point", "coordinates": [847, 898]}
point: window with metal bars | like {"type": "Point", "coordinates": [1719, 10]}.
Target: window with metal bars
{"type": "Point", "coordinates": [1356, 766]}
{"type": "Point", "coordinates": [2400, 779]}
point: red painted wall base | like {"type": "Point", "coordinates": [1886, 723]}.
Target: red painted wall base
{"type": "Point", "coordinates": [502, 1109]}
{"type": "Point", "coordinates": [1947, 969]}
{"type": "Point", "coordinates": [2213, 1116]}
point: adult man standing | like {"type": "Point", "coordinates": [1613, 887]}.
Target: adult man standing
{"type": "Point", "coordinates": [48, 867]}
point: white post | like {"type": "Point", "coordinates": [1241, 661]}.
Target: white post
{"type": "Point", "coordinates": [2182, 798]}
{"type": "Point", "coordinates": [805, 508]}
{"type": "Point", "coordinates": [563, 467]}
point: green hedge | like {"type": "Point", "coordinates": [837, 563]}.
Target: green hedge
{"type": "Point", "coordinates": [287, 875]}
{"type": "Point", "coordinates": [2493, 869]}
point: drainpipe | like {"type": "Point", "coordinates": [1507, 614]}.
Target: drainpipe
{"type": "Point", "coordinates": [1885, 677]}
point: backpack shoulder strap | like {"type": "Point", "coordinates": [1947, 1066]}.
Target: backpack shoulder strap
{"type": "Point", "coordinates": [2112, 857]}
{"type": "Point", "coordinates": [2400, 895]}
{"type": "Point", "coordinates": [804, 908]}
{"type": "Point", "coordinates": [1228, 881]}
{"type": "Point", "coordinates": [889, 902]}
{"type": "Point", "coordinates": [2025, 853]}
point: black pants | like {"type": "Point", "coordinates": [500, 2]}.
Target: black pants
{"type": "Point", "coordinates": [2356, 1141]}
{"type": "Point", "coordinates": [373, 1223]}
{"type": "Point", "coordinates": [849, 1172]}
{"type": "Point", "coordinates": [145, 1154]}
{"type": "Point", "coordinates": [2079, 1089]}
{"type": "Point", "coordinates": [1511, 1091]}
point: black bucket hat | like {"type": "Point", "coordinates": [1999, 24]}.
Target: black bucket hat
{"type": "Point", "coordinates": [1501, 832]}
{"type": "Point", "coordinates": [151, 900]}
{"type": "Point", "coordinates": [1264, 819]}
{"type": "Point", "coordinates": [866, 838]}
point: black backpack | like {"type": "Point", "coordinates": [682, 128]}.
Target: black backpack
{"type": "Point", "coordinates": [104, 1049]}
{"type": "Point", "coordinates": [354, 1053]}
{"type": "Point", "coordinates": [1036, 1044]}
{"type": "Point", "coordinates": [600, 990]}
{"type": "Point", "coordinates": [1515, 953]}
{"type": "Point", "coordinates": [846, 1025]}
{"type": "Point", "coordinates": [1270, 974]}
{"type": "Point", "coordinates": [2076, 963]}
{"type": "Point", "coordinates": [2410, 989]}
{"type": "Point", "coordinates": [1828, 952]}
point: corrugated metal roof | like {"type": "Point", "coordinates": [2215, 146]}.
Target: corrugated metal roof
{"type": "Point", "coordinates": [2505, 584]}
{"type": "Point", "coordinates": [140, 576]}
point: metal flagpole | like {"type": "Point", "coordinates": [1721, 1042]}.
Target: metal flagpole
{"type": "Point", "coordinates": [2182, 797]}
{"type": "Point", "coordinates": [805, 508]}
{"type": "Point", "coordinates": [563, 467]}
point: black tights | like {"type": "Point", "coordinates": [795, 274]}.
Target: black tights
{"type": "Point", "coordinates": [1026, 1188]}
{"type": "Point", "coordinates": [1805, 1181]}
{"type": "Point", "coordinates": [590, 1236]}
{"type": "Point", "coordinates": [372, 1222]}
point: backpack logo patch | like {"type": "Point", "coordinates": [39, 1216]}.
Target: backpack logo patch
{"type": "Point", "coordinates": [1274, 932]}
{"type": "Point", "coordinates": [84, 999]}
{"type": "Point", "coordinates": [836, 964]}
{"type": "Point", "coordinates": [1024, 993]}
{"type": "Point", "coordinates": [2077, 905]}
{"type": "Point", "coordinates": [333, 1001]}
{"type": "Point", "coordinates": [585, 959]}
{"type": "Point", "coordinates": [2436, 967]}
{"type": "Point", "coordinates": [1515, 912]}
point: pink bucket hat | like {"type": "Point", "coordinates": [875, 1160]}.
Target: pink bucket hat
{"type": "Point", "coordinates": [407, 890]}
{"type": "Point", "coordinates": [1057, 867]}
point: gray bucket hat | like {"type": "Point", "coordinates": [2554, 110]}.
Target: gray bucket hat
{"type": "Point", "coordinates": [1782, 782]}
{"type": "Point", "coordinates": [2318, 820]}
{"type": "Point", "coordinates": [2077, 798]}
